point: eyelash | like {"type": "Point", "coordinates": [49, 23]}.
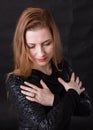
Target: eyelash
{"type": "Point", "coordinates": [47, 44]}
{"type": "Point", "coordinates": [32, 47]}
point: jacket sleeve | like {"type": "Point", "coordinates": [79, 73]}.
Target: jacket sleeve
{"type": "Point", "coordinates": [84, 107]}
{"type": "Point", "coordinates": [33, 114]}
{"type": "Point", "coordinates": [57, 99]}
{"type": "Point", "coordinates": [85, 104]}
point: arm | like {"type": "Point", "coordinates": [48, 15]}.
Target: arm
{"type": "Point", "coordinates": [84, 104]}
{"type": "Point", "coordinates": [41, 95]}
{"type": "Point", "coordinates": [35, 114]}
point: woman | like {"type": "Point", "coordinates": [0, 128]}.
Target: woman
{"type": "Point", "coordinates": [42, 87]}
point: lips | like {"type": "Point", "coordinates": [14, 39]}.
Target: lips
{"type": "Point", "coordinates": [42, 60]}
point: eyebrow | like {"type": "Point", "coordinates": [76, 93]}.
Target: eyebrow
{"type": "Point", "coordinates": [49, 40]}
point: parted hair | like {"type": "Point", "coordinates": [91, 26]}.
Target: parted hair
{"type": "Point", "coordinates": [33, 18]}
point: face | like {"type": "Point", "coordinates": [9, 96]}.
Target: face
{"type": "Point", "coordinates": [40, 43]}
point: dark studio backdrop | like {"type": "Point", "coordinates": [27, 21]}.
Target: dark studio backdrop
{"type": "Point", "coordinates": [74, 19]}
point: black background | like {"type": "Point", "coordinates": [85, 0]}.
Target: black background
{"type": "Point", "coordinates": [74, 19]}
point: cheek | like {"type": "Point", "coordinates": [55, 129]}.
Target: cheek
{"type": "Point", "coordinates": [32, 54]}
{"type": "Point", "coordinates": [50, 50]}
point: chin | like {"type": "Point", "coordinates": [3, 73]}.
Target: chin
{"type": "Point", "coordinates": [43, 63]}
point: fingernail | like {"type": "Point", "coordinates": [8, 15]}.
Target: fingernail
{"type": "Point", "coordinates": [58, 78]}
{"type": "Point", "coordinates": [21, 91]}
{"type": "Point", "coordinates": [25, 82]}
{"type": "Point", "coordinates": [41, 80]}
{"type": "Point", "coordinates": [20, 86]}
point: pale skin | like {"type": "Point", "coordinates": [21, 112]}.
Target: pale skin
{"type": "Point", "coordinates": [40, 43]}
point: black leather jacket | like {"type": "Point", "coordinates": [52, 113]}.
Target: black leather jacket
{"type": "Point", "coordinates": [34, 116]}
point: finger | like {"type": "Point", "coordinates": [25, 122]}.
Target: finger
{"type": "Point", "coordinates": [72, 77]}
{"type": "Point", "coordinates": [77, 80]}
{"type": "Point", "coordinates": [80, 84]}
{"type": "Point", "coordinates": [31, 99]}
{"type": "Point", "coordinates": [82, 90]}
{"type": "Point", "coordinates": [31, 85]}
{"type": "Point", "coordinates": [43, 84]}
{"type": "Point", "coordinates": [29, 89]}
{"type": "Point", "coordinates": [27, 93]}
{"type": "Point", "coordinates": [62, 81]}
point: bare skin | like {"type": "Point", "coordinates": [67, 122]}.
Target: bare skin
{"type": "Point", "coordinates": [74, 83]}
{"type": "Point", "coordinates": [44, 96]}
{"type": "Point", "coordinates": [40, 95]}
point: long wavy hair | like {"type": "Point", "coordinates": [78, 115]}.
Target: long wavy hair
{"type": "Point", "coordinates": [33, 18]}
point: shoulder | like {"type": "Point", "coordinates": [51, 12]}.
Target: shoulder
{"type": "Point", "coordinates": [66, 70]}
{"type": "Point", "coordinates": [65, 65]}
{"type": "Point", "coordinates": [14, 79]}
{"type": "Point", "coordinates": [13, 87]}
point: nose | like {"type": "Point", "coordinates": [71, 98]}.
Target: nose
{"type": "Point", "coordinates": [40, 51]}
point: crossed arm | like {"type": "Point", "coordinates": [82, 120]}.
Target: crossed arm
{"type": "Point", "coordinates": [33, 111]}
{"type": "Point", "coordinates": [44, 96]}
{"type": "Point", "coordinates": [34, 114]}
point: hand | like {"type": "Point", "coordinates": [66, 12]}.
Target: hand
{"type": "Point", "coordinates": [40, 95]}
{"type": "Point", "coordinates": [74, 83]}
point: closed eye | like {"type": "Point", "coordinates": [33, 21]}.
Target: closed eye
{"type": "Point", "coordinates": [31, 47]}
{"type": "Point", "coordinates": [47, 44]}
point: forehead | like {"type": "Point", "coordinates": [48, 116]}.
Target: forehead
{"type": "Point", "coordinates": [38, 35]}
